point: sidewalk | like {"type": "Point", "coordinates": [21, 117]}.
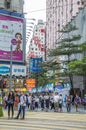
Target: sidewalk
{"type": "Point", "coordinates": [64, 110]}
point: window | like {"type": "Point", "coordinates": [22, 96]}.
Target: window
{"type": "Point", "coordinates": [78, 2]}
{"type": "Point", "coordinates": [7, 4]}
{"type": "Point", "coordinates": [36, 33]}
{"type": "Point", "coordinates": [82, 2]}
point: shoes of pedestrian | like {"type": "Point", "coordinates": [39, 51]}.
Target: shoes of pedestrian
{"type": "Point", "coordinates": [8, 117]}
{"type": "Point", "coordinates": [16, 118]}
{"type": "Point", "coordinates": [22, 118]}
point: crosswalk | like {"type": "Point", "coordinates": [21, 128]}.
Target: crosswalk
{"type": "Point", "coordinates": [45, 121]}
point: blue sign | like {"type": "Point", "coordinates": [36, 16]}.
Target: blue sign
{"type": "Point", "coordinates": [35, 65]}
{"type": "Point", "coordinates": [4, 70]}
{"type": "Point", "coordinates": [58, 87]}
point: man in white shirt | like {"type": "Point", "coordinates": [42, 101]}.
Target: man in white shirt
{"type": "Point", "coordinates": [22, 106]}
{"type": "Point", "coordinates": [56, 101]}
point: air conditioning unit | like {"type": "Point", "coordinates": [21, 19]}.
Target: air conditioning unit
{"type": "Point", "coordinates": [17, 6]}
{"type": "Point", "coordinates": [2, 4]}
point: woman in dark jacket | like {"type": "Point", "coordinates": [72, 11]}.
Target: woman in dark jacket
{"type": "Point", "coordinates": [10, 102]}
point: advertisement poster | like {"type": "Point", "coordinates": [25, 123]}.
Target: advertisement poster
{"type": "Point", "coordinates": [11, 33]}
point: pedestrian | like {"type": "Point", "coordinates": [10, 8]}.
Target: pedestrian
{"type": "Point", "coordinates": [77, 102]}
{"type": "Point", "coordinates": [36, 102]}
{"type": "Point", "coordinates": [28, 101]}
{"type": "Point", "coordinates": [5, 98]}
{"type": "Point", "coordinates": [47, 101]}
{"type": "Point", "coordinates": [22, 106]}
{"type": "Point", "coordinates": [60, 102]}
{"type": "Point", "coordinates": [56, 101]}
{"type": "Point", "coordinates": [42, 102]}
{"type": "Point", "coordinates": [51, 102]}
{"type": "Point", "coordinates": [68, 103]}
{"type": "Point", "coordinates": [10, 104]}
{"type": "Point", "coordinates": [16, 101]}
{"type": "Point", "coordinates": [84, 101]}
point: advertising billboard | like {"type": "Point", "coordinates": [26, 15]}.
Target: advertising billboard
{"type": "Point", "coordinates": [35, 65]}
{"type": "Point", "coordinates": [17, 70]}
{"type": "Point", "coordinates": [30, 83]}
{"type": "Point", "coordinates": [11, 33]}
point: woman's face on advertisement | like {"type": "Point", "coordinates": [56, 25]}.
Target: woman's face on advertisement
{"type": "Point", "coordinates": [18, 37]}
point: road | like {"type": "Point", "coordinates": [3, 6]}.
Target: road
{"type": "Point", "coordinates": [45, 121]}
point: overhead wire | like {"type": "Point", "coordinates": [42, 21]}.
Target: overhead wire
{"type": "Point", "coordinates": [50, 8]}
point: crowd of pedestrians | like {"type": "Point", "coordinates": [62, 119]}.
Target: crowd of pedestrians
{"type": "Point", "coordinates": [41, 101]}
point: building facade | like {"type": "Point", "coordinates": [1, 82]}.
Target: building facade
{"type": "Point", "coordinates": [12, 5]}
{"type": "Point", "coordinates": [80, 22]}
{"type": "Point", "coordinates": [37, 44]}
{"type": "Point", "coordinates": [58, 14]}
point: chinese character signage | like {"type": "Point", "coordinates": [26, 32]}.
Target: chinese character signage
{"type": "Point", "coordinates": [35, 65]}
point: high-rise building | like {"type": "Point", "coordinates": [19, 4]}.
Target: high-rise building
{"type": "Point", "coordinates": [12, 5]}
{"type": "Point", "coordinates": [58, 14]}
{"type": "Point", "coordinates": [37, 44]}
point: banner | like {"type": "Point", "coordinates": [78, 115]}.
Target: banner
{"type": "Point", "coordinates": [35, 65]}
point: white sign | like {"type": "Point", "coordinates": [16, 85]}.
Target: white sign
{"type": "Point", "coordinates": [18, 70]}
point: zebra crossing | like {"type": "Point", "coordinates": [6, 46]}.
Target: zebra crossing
{"type": "Point", "coordinates": [45, 121]}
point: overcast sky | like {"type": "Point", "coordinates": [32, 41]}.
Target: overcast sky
{"type": "Point", "coordinates": [35, 9]}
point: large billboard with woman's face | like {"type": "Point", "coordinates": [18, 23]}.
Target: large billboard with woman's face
{"type": "Point", "coordinates": [11, 33]}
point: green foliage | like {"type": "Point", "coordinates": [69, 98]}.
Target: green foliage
{"type": "Point", "coordinates": [78, 67]}
{"type": "Point", "coordinates": [1, 111]}
{"type": "Point", "coordinates": [68, 28]}
{"type": "Point", "coordinates": [74, 38]}
{"type": "Point", "coordinates": [44, 77]}
{"type": "Point", "coordinates": [83, 46]}
{"type": "Point", "coordinates": [66, 49]}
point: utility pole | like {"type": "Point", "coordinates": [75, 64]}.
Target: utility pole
{"type": "Point", "coordinates": [10, 87]}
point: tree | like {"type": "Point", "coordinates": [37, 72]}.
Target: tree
{"type": "Point", "coordinates": [68, 48]}
{"type": "Point", "coordinates": [78, 67]}
{"type": "Point", "coordinates": [41, 77]}
{"type": "Point", "coordinates": [44, 77]}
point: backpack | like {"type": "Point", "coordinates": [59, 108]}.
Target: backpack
{"type": "Point", "coordinates": [77, 100]}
